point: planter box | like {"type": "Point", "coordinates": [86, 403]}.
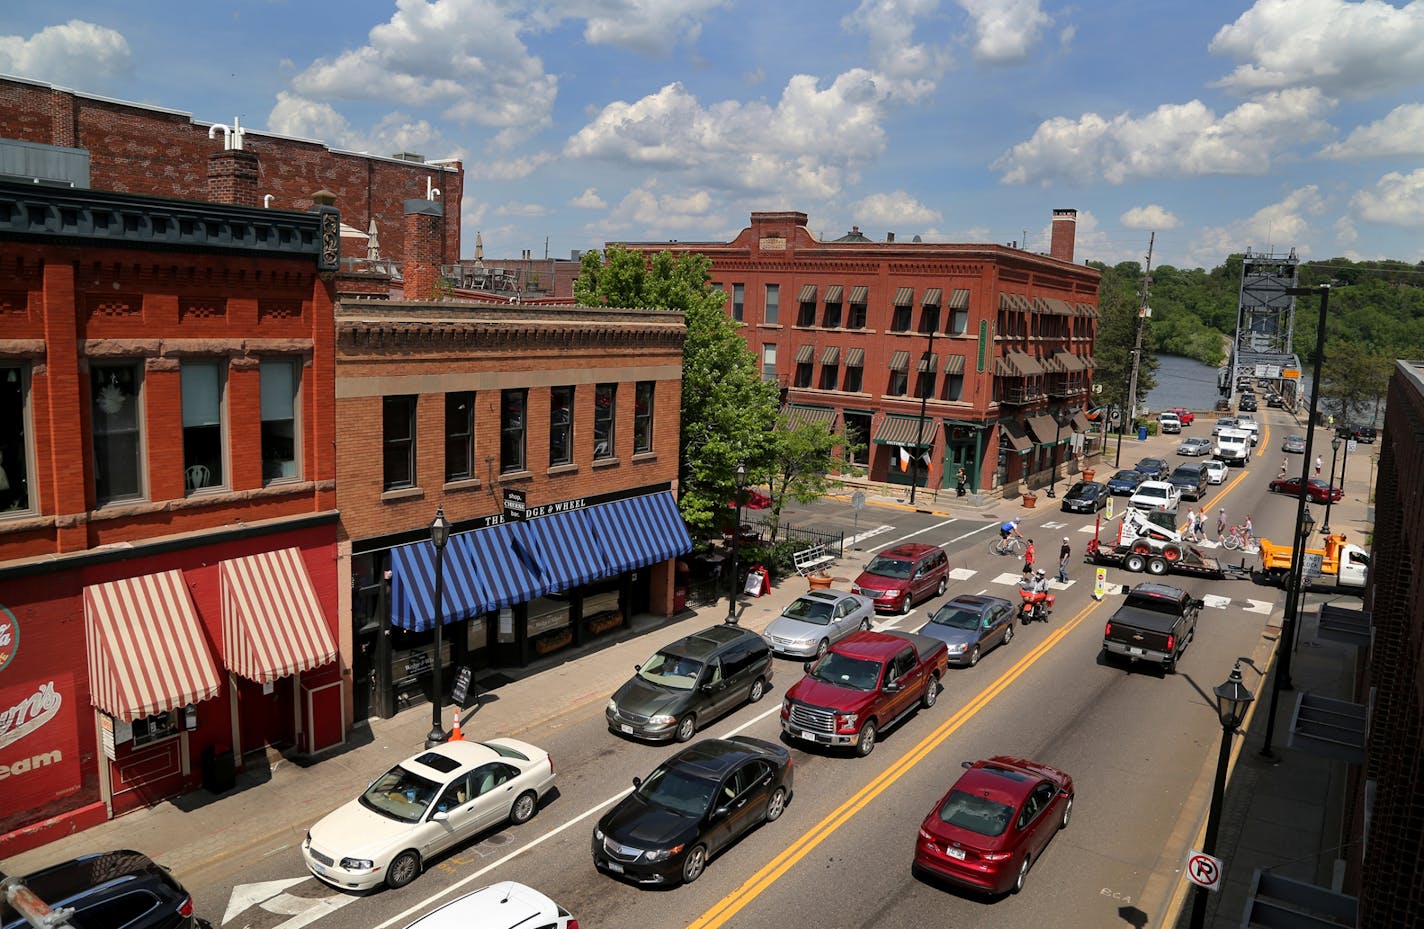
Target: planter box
{"type": "Point", "coordinates": [553, 641]}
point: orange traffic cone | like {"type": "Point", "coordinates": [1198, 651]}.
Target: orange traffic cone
{"type": "Point", "coordinates": [455, 734]}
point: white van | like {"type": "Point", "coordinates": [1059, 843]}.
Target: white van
{"type": "Point", "coordinates": [1233, 446]}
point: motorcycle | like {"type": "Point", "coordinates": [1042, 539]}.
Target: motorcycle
{"type": "Point", "coordinates": [1037, 604]}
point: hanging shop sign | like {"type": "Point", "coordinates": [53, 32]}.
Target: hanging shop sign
{"type": "Point", "coordinates": [514, 504]}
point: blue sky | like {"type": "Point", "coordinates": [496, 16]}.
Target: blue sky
{"type": "Point", "coordinates": [1220, 126]}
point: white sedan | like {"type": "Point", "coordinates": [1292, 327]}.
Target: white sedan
{"type": "Point", "coordinates": [425, 805]}
{"type": "Point", "coordinates": [1155, 495]}
{"type": "Point", "coordinates": [508, 905]}
{"type": "Point", "coordinates": [1216, 470]}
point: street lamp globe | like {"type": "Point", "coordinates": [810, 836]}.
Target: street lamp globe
{"type": "Point", "coordinates": [1232, 699]}
{"type": "Point", "coordinates": [1335, 443]}
{"type": "Point", "coordinates": [1307, 524]}
{"type": "Point", "coordinates": [439, 528]}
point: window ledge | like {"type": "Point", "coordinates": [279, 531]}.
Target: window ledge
{"type": "Point", "coordinates": [569, 468]}
{"type": "Point", "coordinates": [464, 483]}
{"type": "Point", "coordinates": [515, 477]}
{"type": "Point", "coordinates": [645, 456]}
{"type": "Point", "coordinates": [770, 326]}
{"type": "Point", "coordinates": [607, 462]}
{"type": "Point", "coordinates": [403, 493]}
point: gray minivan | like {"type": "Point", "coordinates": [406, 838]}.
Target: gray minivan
{"type": "Point", "coordinates": [691, 681]}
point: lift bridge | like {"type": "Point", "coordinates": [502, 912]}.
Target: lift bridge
{"type": "Point", "coordinates": [1261, 352]}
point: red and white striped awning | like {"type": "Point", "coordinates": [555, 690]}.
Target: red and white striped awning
{"type": "Point", "coordinates": [146, 649]}
{"type": "Point", "coordinates": [272, 621]}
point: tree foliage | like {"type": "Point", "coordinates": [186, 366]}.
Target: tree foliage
{"type": "Point", "coordinates": [1119, 296]}
{"type": "Point", "coordinates": [800, 457]}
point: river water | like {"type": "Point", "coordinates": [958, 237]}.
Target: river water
{"type": "Point", "coordinates": [1183, 382]}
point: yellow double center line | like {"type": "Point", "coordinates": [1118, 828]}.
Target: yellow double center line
{"type": "Point", "coordinates": [733, 903]}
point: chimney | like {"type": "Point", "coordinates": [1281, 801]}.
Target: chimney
{"type": "Point", "coordinates": [424, 220]}
{"type": "Point", "coordinates": [1065, 225]}
{"type": "Point", "coordinates": [232, 177]}
{"type": "Point", "coordinates": [889, 237]}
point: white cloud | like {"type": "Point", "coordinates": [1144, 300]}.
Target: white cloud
{"type": "Point", "coordinates": [650, 27]}
{"type": "Point", "coordinates": [512, 169]}
{"type": "Point", "coordinates": [1345, 232]}
{"type": "Point", "coordinates": [1396, 200]}
{"type": "Point", "coordinates": [465, 56]}
{"type": "Point", "coordinates": [1150, 216]}
{"type": "Point", "coordinates": [1343, 47]}
{"type": "Point", "coordinates": [1279, 226]}
{"type": "Point", "coordinates": [1174, 140]}
{"type": "Point", "coordinates": [1401, 132]}
{"type": "Point", "coordinates": [293, 115]}
{"type": "Point", "coordinates": [588, 200]}
{"type": "Point", "coordinates": [809, 144]}
{"type": "Point", "coordinates": [77, 54]}
{"type": "Point", "coordinates": [1005, 31]}
{"type": "Point", "coordinates": [889, 26]}
{"type": "Point", "coordinates": [521, 209]}
{"type": "Point", "coordinates": [893, 209]}
{"type": "Point", "coordinates": [656, 216]}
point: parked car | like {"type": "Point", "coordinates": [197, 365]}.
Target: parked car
{"type": "Point", "coordinates": [692, 680]}
{"type": "Point", "coordinates": [1155, 495]}
{"type": "Point", "coordinates": [506, 905]}
{"type": "Point", "coordinates": [1085, 497]}
{"type": "Point", "coordinates": [1156, 469]}
{"type": "Point", "coordinates": [1247, 403]}
{"type": "Point", "coordinates": [1155, 623]}
{"type": "Point", "coordinates": [970, 625]}
{"type": "Point", "coordinates": [693, 806]}
{"type": "Point", "coordinates": [1190, 480]}
{"type": "Point", "coordinates": [1365, 434]}
{"type": "Point", "coordinates": [994, 823]}
{"type": "Point", "coordinates": [1125, 482]}
{"type": "Point", "coordinates": [1293, 443]}
{"type": "Point", "coordinates": [814, 621]}
{"type": "Point", "coordinates": [1317, 490]}
{"type": "Point", "coordinates": [119, 888]}
{"type": "Point", "coordinates": [1216, 470]}
{"type": "Point", "coordinates": [1194, 445]}
{"type": "Point", "coordinates": [1275, 400]}
{"type": "Point", "coordinates": [1168, 423]}
{"type": "Point", "coordinates": [1184, 415]}
{"type": "Point", "coordinates": [899, 577]}
{"type": "Point", "coordinates": [427, 804]}
{"type": "Point", "coordinates": [1225, 422]}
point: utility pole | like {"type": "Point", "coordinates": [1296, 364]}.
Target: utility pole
{"type": "Point", "coordinates": [1142, 312]}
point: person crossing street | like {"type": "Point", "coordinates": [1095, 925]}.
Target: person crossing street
{"type": "Point", "coordinates": [1065, 551]}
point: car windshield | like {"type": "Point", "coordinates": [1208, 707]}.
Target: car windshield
{"type": "Point", "coordinates": [955, 618]}
{"type": "Point", "coordinates": [977, 814]}
{"type": "Point", "coordinates": [1151, 492]}
{"type": "Point", "coordinates": [888, 567]}
{"type": "Point", "coordinates": [806, 610]}
{"type": "Point", "coordinates": [677, 672]}
{"type": "Point", "coordinates": [400, 794]}
{"type": "Point", "coordinates": [1127, 475]}
{"type": "Point", "coordinates": [855, 673]}
{"type": "Point", "coordinates": [676, 790]}
{"type": "Point", "coordinates": [1082, 490]}
{"type": "Point", "coordinates": [1186, 474]}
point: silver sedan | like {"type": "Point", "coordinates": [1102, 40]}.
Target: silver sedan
{"type": "Point", "coordinates": [816, 620]}
{"type": "Point", "coordinates": [971, 625]}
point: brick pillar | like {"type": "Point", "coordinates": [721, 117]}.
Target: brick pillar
{"type": "Point", "coordinates": [232, 177]}
{"type": "Point", "coordinates": [1065, 227]}
{"type": "Point", "coordinates": [62, 124]}
{"type": "Point", "coordinates": [424, 220]}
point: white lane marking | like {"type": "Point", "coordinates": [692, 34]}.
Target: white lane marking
{"type": "Point", "coordinates": [867, 534]}
{"type": "Point", "coordinates": [1054, 524]}
{"type": "Point", "coordinates": [911, 535]}
{"type": "Point", "coordinates": [1056, 584]}
{"type": "Point", "coordinates": [1258, 606]}
{"type": "Point", "coordinates": [1215, 602]}
{"type": "Point", "coordinates": [961, 574]}
{"type": "Point", "coordinates": [1089, 529]}
{"type": "Point", "coordinates": [245, 895]}
{"type": "Point", "coordinates": [1008, 578]}
{"type": "Point", "coordinates": [754, 720]}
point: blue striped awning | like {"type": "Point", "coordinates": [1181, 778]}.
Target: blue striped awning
{"type": "Point", "coordinates": [564, 541]}
{"type": "Point", "coordinates": [413, 585]}
{"type": "Point", "coordinates": [639, 531]}
{"type": "Point", "coordinates": [506, 559]}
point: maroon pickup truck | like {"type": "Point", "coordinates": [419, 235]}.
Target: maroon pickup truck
{"type": "Point", "coordinates": [868, 681]}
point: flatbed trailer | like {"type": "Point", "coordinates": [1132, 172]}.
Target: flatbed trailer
{"type": "Point", "coordinates": [1154, 555]}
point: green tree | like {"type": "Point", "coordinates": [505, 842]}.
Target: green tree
{"type": "Point", "coordinates": [728, 410]}
{"type": "Point", "coordinates": [1354, 380]}
{"type": "Point", "coordinates": [1119, 293]}
{"type": "Point", "coordinates": [800, 457]}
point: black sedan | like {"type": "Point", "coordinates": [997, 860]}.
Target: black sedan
{"type": "Point", "coordinates": [109, 889]}
{"type": "Point", "coordinates": [691, 807]}
{"type": "Point", "coordinates": [1085, 497]}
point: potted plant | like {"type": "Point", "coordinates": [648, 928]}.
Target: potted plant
{"type": "Point", "coordinates": [819, 579]}
{"type": "Point", "coordinates": [1029, 498]}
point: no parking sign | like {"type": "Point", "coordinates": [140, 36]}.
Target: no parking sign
{"type": "Point", "coordinates": [1204, 870]}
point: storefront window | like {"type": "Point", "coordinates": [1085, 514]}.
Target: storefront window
{"type": "Point", "coordinates": [601, 611]}
{"type": "Point", "coordinates": [156, 728]}
{"type": "Point", "coordinates": [857, 430]}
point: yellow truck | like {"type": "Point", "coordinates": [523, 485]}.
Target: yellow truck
{"type": "Point", "coordinates": [1347, 563]}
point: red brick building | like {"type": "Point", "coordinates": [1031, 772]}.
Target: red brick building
{"type": "Point", "coordinates": [972, 356]}
{"type": "Point", "coordinates": [167, 497]}
{"type": "Point", "coordinates": [548, 436]}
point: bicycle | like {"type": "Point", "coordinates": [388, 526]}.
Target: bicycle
{"type": "Point", "coordinates": [1238, 538]}
{"type": "Point", "coordinates": [1013, 545]}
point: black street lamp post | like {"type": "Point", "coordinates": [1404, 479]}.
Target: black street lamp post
{"type": "Point", "coordinates": [1304, 527]}
{"type": "Point", "coordinates": [1057, 454]}
{"type": "Point", "coordinates": [1330, 489]}
{"type": "Point", "coordinates": [439, 535]}
{"type": "Point", "coordinates": [925, 377]}
{"type": "Point", "coordinates": [1232, 699]}
{"type": "Point", "coordinates": [736, 539]}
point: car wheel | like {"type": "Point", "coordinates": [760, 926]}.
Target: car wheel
{"type": "Point", "coordinates": [525, 806]}
{"type": "Point", "coordinates": [758, 690]}
{"type": "Point", "coordinates": [1023, 873]}
{"type": "Point", "coordinates": [1067, 812]}
{"type": "Point", "coordinates": [906, 604]}
{"type": "Point", "coordinates": [776, 805]}
{"type": "Point", "coordinates": [821, 648]}
{"type": "Point", "coordinates": [694, 864]}
{"type": "Point", "coordinates": [866, 743]}
{"type": "Point", "coordinates": [403, 869]}
{"type": "Point", "coordinates": [931, 693]}
{"type": "Point", "coordinates": [1134, 562]}
{"type": "Point", "coordinates": [1008, 634]}
{"type": "Point", "coordinates": [973, 656]}
{"type": "Point", "coordinates": [943, 586]}
{"type": "Point", "coordinates": [686, 727]}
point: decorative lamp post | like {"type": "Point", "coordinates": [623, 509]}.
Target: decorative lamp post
{"type": "Point", "coordinates": [1058, 457]}
{"type": "Point", "coordinates": [925, 376]}
{"type": "Point", "coordinates": [736, 539]}
{"type": "Point", "coordinates": [1330, 489]}
{"type": "Point", "coordinates": [1232, 699]}
{"type": "Point", "coordinates": [439, 535]}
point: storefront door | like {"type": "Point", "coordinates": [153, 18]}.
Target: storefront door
{"type": "Point", "coordinates": [265, 718]}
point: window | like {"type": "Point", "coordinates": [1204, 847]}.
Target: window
{"type": "Point", "coordinates": [280, 380]}
{"type": "Point", "coordinates": [803, 374]}
{"type": "Point", "coordinates": [643, 417]}
{"type": "Point", "coordinates": [152, 729]}
{"type": "Point", "coordinates": [900, 322]}
{"type": "Point", "coordinates": [925, 384]}
{"type": "Point", "coordinates": [833, 315]}
{"type": "Point", "coordinates": [929, 320]}
{"type": "Point", "coordinates": [739, 301]}
{"type": "Point", "coordinates": [852, 381]}
{"type": "Point", "coordinates": [954, 387]}
{"type": "Point", "coordinates": [768, 361]}
{"type": "Point", "coordinates": [605, 408]}
{"type": "Point", "coordinates": [857, 437]}
{"type": "Point", "coordinates": [773, 304]}
{"type": "Point", "coordinates": [959, 321]}
{"type": "Point", "coordinates": [512, 404]}
{"type": "Point", "coordinates": [202, 383]}
{"type": "Point", "coordinates": [398, 419]}
{"type": "Point", "coordinates": [806, 316]}
{"type": "Point", "coordinates": [14, 444]}
{"type": "Point", "coordinates": [460, 436]}
{"type": "Point", "coordinates": [899, 384]}
{"type": "Point", "coordinates": [561, 426]}
{"type": "Point", "coordinates": [118, 440]}
{"type": "Point", "coordinates": [857, 316]}
{"type": "Point", "coordinates": [828, 376]}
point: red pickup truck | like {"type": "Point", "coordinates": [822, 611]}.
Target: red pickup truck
{"type": "Point", "coordinates": [868, 681]}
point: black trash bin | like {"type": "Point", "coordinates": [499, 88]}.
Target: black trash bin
{"type": "Point", "coordinates": [219, 769]}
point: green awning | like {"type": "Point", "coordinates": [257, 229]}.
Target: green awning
{"type": "Point", "coordinates": [905, 430]}
{"type": "Point", "coordinates": [799, 414]}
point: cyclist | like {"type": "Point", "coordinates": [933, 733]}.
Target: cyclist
{"type": "Point", "coordinates": [1010, 528]}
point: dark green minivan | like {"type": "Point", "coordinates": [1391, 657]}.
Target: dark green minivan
{"type": "Point", "coordinates": [691, 681]}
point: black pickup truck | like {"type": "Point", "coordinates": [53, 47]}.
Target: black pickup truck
{"type": "Point", "coordinates": [1155, 623]}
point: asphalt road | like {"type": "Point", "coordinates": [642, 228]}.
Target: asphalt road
{"type": "Point", "coordinates": [1136, 743]}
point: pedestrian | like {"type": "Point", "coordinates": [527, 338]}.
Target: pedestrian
{"type": "Point", "coordinates": [1285, 466]}
{"type": "Point", "coordinates": [1221, 525]}
{"type": "Point", "coordinates": [1065, 551]}
{"type": "Point", "coordinates": [1028, 558]}
{"type": "Point", "coordinates": [1318, 464]}
{"type": "Point", "coordinates": [1191, 522]}
{"type": "Point", "coordinates": [960, 479]}
{"type": "Point", "coordinates": [1250, 532]}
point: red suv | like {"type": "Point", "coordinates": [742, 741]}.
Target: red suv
{"type": "Point", "coordinates": [899, 577]}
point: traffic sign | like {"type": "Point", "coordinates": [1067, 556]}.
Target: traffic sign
{"type": "Point", "coordinates": [1204, 870]}
{"type": "Point", "coordinates": [857, 500]}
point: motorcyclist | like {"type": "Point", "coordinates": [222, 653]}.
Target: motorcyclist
{"type": "Point", "coordinates": [1036, 590]}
